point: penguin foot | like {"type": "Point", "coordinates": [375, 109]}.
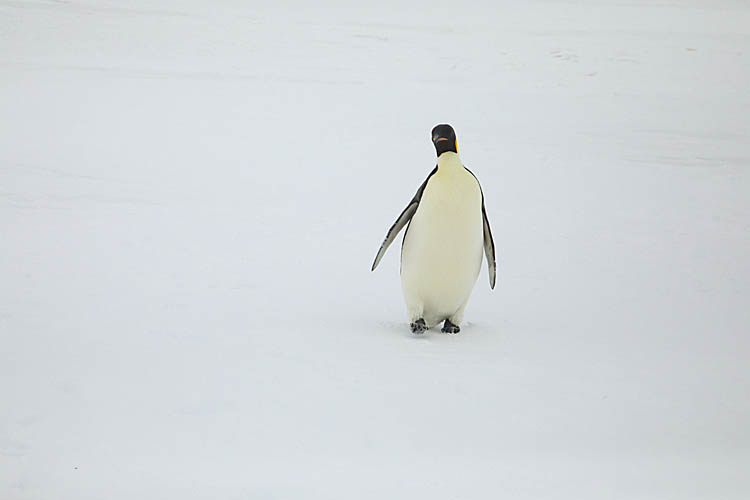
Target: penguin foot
{"type": "Point", "coordinates": [449, 327]}
{"type": "Point", "coordinates": [418, 326]}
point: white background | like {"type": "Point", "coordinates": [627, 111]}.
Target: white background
{"type": "Point", "coordinates": [192, 193]}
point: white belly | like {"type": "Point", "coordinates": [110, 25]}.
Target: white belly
{"type": "Point", "coordinates": [442, 251]}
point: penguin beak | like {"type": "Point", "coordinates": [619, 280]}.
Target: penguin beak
{"type": "Point", "coordinates": [441, 139]}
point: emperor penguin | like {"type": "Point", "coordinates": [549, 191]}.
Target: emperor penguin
{"type": "Point", "coordinates": [447, 230]}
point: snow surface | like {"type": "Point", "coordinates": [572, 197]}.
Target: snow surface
{"type": "Point", "coordinates": [192, 193]}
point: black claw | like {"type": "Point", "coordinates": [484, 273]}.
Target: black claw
{"type": "Point", "coordinates": [418, 326]}
{"type": "Point", "coordinates": [449, 327]}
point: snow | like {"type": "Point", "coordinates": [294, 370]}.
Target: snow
{"type": "Point", "coordinates": [192, 193]}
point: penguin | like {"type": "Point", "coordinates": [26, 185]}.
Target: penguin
{"type": "Point", "coordinates": [447, 230]}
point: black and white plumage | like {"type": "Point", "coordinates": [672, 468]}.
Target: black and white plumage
{"type": "Point", "coordinates": [447, 233]}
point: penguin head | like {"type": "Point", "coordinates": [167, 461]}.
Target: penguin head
{"type": "Point", "coordinates": [444, 139]}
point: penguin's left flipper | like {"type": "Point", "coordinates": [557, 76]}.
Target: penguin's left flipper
{"type": "Point", "coordinates": [489, 247]}
{"type": "Point", "coordinates": [489, 243]}
{"type": "Point", "coordinates": [402, 220]}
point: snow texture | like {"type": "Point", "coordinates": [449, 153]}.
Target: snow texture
{"type": "Point", "coordinates": [192, 193]}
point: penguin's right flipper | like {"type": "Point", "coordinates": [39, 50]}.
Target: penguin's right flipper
{"type": "Point", "coordinates": [402, 220]}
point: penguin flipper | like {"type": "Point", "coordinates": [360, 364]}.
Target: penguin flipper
{"type": "Point", "coordinates": [402, 220]}
{"type": "Point", "coordinates": [489, 243]}
{"type": "Point", "coordinates": [489, 247]}
{"type": "Point", "coordinates": [396, 228]}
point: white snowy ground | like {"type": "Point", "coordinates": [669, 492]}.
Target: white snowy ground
{"type": "Point", "coordinates": [191, 196]}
